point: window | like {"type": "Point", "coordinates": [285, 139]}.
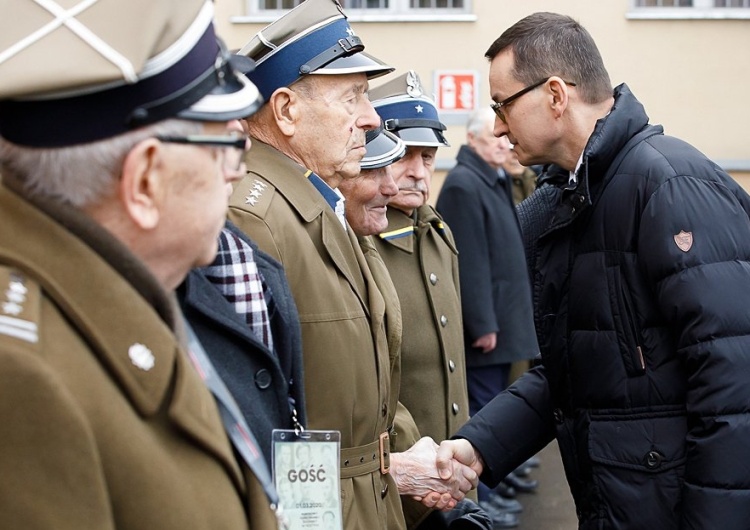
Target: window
{"type": "Point", "coordinates": [665, 3]}
{"type": "Point", "coordinates": [372, 10]}
{"type": "Point", "coordinates": [369, 4]}
{"type": "Point", "coordinates": [693, 3]}
{"type": "Point", "coordinates": [684, 9]}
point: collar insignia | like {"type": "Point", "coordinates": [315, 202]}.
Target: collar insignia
{"type": "Point", "coordinates": [141, 356]}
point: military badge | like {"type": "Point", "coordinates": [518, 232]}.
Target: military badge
{"type": "Point", "coordinates": [141, 356]}
{"type": "Point", "coordinates": [413, 86]}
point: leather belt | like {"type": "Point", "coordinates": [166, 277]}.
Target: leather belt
{"type": "Point", "coordinates": [366, 459]}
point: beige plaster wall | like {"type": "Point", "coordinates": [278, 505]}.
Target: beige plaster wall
{"type": "Point", "coordinates": [691, 75]}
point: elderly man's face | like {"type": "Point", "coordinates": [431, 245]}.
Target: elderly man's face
{"type": "Point", "coordinates": [413, 175]}
{"type": "Point", "coordinates": [367, 196]}
{"type": "Point", "coordinates": [334, 114]}
{"type": "Point", "coordinates": [493, 150]}
{"type": "Point", "coordinates": [196, 198]}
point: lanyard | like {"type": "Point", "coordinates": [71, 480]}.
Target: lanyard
{"type": "Point", "coordinates": [234, 422]}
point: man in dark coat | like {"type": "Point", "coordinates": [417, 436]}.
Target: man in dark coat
{"type": "Point", "coordinates": [265, 377]}
{"type": "Point", "coordinates": [641, 282]}
{"type": "Point", "coordinates": [476, 202]}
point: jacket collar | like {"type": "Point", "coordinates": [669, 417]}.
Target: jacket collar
{"type": "Point", "coordinates": [401, 230]}
{"type": "Point", "coordinates": [290, 181]}
{"type": "Point", "coordinates": [404, 229]}
{"type": "Point", "coordinates": [624, 121]}
{"type": "Point", "coordinates": [468, 157]}
{"type": "Point", "coordinates": [202, 296]}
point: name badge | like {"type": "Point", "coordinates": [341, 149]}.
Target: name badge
{"type": "Point", "coordinates": [306, 476]}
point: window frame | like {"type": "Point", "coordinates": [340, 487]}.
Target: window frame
{"type": "Point", "coordinates": [701, 9]}
{"type": "Point", "coordinates": [399, 11]}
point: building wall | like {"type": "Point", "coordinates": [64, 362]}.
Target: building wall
{"type": "Point", "coordinates": [691, 75]}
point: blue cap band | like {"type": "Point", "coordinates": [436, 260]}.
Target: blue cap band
{"type": "Point", "coordinates": [282, 66]}
{"type": "Point", "coordinates": [100, 115]}
{"type": "Point", "coordinates": [414, 108]}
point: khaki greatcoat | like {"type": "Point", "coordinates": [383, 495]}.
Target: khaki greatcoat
{"type": "Point", "coordinates": [423, 264]}
{"type": "Point", "coordinates": [93, 437]}
{"type": "Point", "coordinates": [346, 357]}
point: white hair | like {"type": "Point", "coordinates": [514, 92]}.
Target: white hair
{"type": "Point", "coordinates": [479, 120]}
{"type": "Point", "coordinates": [83, 174]}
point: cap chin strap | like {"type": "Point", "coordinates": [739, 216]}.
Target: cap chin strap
{"type": "Point", "coordinates": [344, 47]}
{"type": "Point", "coordinates": [396, 124]}
{"type": "Point", "coordinates": [373, 133]}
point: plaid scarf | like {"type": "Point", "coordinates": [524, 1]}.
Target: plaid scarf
{"type": "Point", "coordinates": [236, 275]}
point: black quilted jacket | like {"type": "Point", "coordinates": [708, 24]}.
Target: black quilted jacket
{"type": "Point", "coordinates": [641, 280]}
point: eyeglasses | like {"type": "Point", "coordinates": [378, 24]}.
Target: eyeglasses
{"type": "Point", "coordinates": [498, 107]}
{"type": "Point", "coordinates": [233, 146]}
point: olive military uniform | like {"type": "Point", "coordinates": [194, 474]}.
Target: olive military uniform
{"type": "Point", "coordinates": [105, 422]}
{"type": "Point", "coordinates": [421, 258]}
{"type": "Point", "coordinates": [347, 366]}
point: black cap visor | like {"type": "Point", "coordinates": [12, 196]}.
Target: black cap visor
{"type": "Point", "coordinates": [383, 148]}
{"type": "Point", "coordinates": [422, 136]}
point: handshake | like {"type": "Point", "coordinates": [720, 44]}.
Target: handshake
{"type": "Point", "coordinates": [437, 476]}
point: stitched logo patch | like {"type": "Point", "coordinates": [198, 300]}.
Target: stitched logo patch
{"type": "Point", "coordinates": [684, 240]}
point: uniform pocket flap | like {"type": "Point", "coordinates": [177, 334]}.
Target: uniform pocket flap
{"type": "Point", "coordinates": [651, 442]}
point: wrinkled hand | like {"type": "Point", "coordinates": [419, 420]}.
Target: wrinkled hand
{"type": "Point", "coordinates": [486, 343]}
{"type": "Point", "coordinates": [416, 474]}
{"type": "Point", "coordinates": [460, 451]}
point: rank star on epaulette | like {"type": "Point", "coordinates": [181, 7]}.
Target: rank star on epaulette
{"type": "Point", "coordinates": [256, 191]}
{"type": "Point", "coordinates": [17, 287]}
{"type": "Point", "coordinates": [15, 296]}
{"type": "Point", "coordinates": [18, 307]}
{"type": "Point", "coordinates": [12, 308]}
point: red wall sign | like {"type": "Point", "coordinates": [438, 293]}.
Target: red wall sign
{"type": "Point", "coordinates": [457, 90]}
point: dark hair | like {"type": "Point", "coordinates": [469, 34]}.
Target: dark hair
{"type": "Point", "coordinates": [546, 44]}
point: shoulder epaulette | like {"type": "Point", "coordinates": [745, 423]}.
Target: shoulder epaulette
{"type": "Point", "coordinates": [19, 305]}
{"type": "Point", "coordinates": [253, 194]}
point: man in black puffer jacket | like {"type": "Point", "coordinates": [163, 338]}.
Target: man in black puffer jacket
{"type": "Point", "coordinates": [641, 282]}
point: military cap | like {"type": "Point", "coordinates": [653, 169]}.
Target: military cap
{"type": "Point", "coordinates": [382, 147]}
{"type": "Point", "coordinates": [98, 69]}
{"type": "Point", "coordinates": [408, 112]}
{"type": "Point", "coordinates": [313, 38]}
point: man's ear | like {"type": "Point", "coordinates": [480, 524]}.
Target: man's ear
{"type": "Point", "coordinates": [285, 105]}
{"type": "Point", "coordinates": [559, 95]}
{"type": "Point", "coordinates": [143, 183]}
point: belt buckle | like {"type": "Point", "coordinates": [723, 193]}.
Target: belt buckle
{"type": "Point", "coordinates": [385, 447]}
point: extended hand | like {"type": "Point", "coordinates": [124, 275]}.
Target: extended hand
{"type": "Point", "coordinates": [416, 474]}
{"type": "Point", "coordinates": [486, 343]}
{"type": "Point", "coordinates": [452, 451]}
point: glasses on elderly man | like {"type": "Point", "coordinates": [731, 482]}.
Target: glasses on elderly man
{"type": "Point", "coordinates": [233, 146]}
{"type": "Point", "coordinates": [498, 106]}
